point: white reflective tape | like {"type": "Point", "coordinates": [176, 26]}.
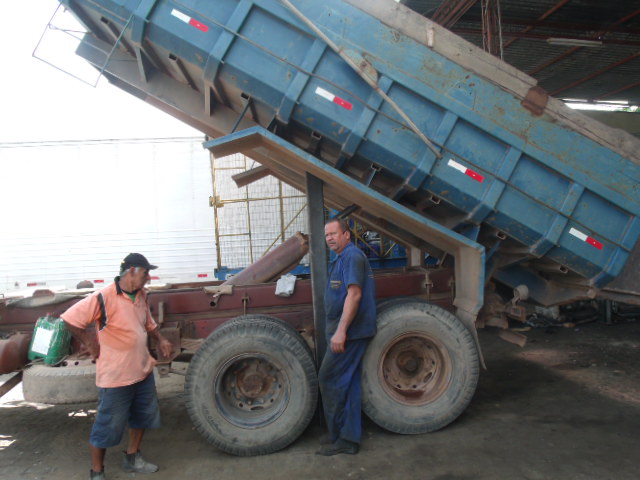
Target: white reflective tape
{"type": "Point", "coordinates": [457, 166]}
{"type": "Point", "coordinates": [181, 16]}
{"type": "Point", "coordinates": [325, 94]}
{"type": "Point", "coordinates": [579, 234]}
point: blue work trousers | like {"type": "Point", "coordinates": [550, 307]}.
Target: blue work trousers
{"type": "Point", "coordinates": [339, 379]}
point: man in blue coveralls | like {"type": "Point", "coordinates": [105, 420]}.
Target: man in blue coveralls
{"type": "Point", "coordinates": [351, 322]}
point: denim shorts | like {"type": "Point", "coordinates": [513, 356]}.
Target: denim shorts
{"type": "Point", "coordinates": [135, 405]}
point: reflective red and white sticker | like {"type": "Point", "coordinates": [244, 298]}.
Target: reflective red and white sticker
{"type": "Point", "coordinates": [327, 95]}
{"type": "Point", "coordinates": [586, 238]}
{"type": "Point", "coordinates": [467, 171]}
{"type": "Point", "coordinates": [189, 20]}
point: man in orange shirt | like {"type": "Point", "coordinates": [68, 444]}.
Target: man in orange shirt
{"type": "Point", "coordinates": [124, 367]}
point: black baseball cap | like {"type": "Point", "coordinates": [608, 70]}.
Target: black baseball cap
{"type": "Point", "coordinates": [136, 260]}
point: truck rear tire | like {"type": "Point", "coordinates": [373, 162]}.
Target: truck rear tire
{"type": "Point", "coordinates": [420, 371]}
{"type": "Point", "coordinates": [60, 385]}
{"type": "Point", "coordinates": [252, 387]}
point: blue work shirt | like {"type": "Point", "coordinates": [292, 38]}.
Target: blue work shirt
{"type": "Point", "coordinates": [350, 267]}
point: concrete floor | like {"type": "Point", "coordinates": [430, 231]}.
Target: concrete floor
{"type": "Point", "coordinates": [566, 406]}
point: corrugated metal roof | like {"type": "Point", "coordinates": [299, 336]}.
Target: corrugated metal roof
{"type": "Point", "coordinates": [608, 72]}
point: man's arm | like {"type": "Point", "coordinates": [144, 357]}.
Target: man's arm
{"type": "Point", "coordinates": [87, 338]}
{"type": "Point", "coordinates": [80, 320]}
{"type": "Point", "coordinates": [165, 347]}
{"type": "Point", "coordinates": [351, 304]}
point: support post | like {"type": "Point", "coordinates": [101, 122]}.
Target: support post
{"type": "Point", "coordinates": [318, 260]}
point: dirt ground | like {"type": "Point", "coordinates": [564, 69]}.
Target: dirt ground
{"type": "Point", "coordinates": [566, 406]}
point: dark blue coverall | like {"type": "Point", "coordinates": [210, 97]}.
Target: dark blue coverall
{"type": "Point", "coordinates": [339, 375]}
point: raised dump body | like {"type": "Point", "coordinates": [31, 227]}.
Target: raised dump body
{"type": "Point", "coordinates": [381, 95]}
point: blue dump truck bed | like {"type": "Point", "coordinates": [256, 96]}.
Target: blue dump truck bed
{"type": "Point", "coordinates": [429, 139]}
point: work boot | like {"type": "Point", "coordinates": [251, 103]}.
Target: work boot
{"type": "Point", "coordinates": [339, 446]}
{"type": "Point", "coordinates": [133, 462]}
{"type": "Point", "coordinates": [96, 475]}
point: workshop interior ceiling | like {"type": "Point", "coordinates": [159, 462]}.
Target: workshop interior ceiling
{"type": "Point", "coordinates": [542, 38]}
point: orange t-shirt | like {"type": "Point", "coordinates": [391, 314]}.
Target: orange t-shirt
{"type": "Point", "coordinates": [124, 357]}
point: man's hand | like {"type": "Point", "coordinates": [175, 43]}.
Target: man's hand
{"type": "Point", "coordinates": [165, 347]}
{"type": "Point", "coordinates": [338, 341]}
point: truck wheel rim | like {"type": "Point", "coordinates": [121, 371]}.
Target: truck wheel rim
{"type": "Point", "coordinates": [414, 369]}
{"type": "Point", "coordinates": [251, 390]}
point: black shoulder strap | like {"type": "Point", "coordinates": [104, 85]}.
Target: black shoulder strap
{"type": "Point", "coordinates": [102, 321]}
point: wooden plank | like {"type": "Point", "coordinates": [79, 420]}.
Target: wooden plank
{"type": "Point", "coordinates": [473, 58]}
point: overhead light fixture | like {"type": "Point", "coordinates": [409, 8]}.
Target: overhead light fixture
{"type": "Point", "coordinates": [574, 42]}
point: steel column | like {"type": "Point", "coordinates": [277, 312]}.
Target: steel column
{"type": "Point", "coordinates": [318, 259]}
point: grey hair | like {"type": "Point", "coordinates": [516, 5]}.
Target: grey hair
{"type": "Point", "coordinates": [124, 271]}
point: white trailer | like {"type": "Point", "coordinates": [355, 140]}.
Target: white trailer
{"type": "Point", "coordinates": [73, 209]}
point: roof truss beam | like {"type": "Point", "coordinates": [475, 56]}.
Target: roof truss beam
{"type": "Point", "coordinates": [450, 11]}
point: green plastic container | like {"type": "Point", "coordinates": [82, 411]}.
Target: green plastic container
{"type": "Point", "coordinates": [51, 340]}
